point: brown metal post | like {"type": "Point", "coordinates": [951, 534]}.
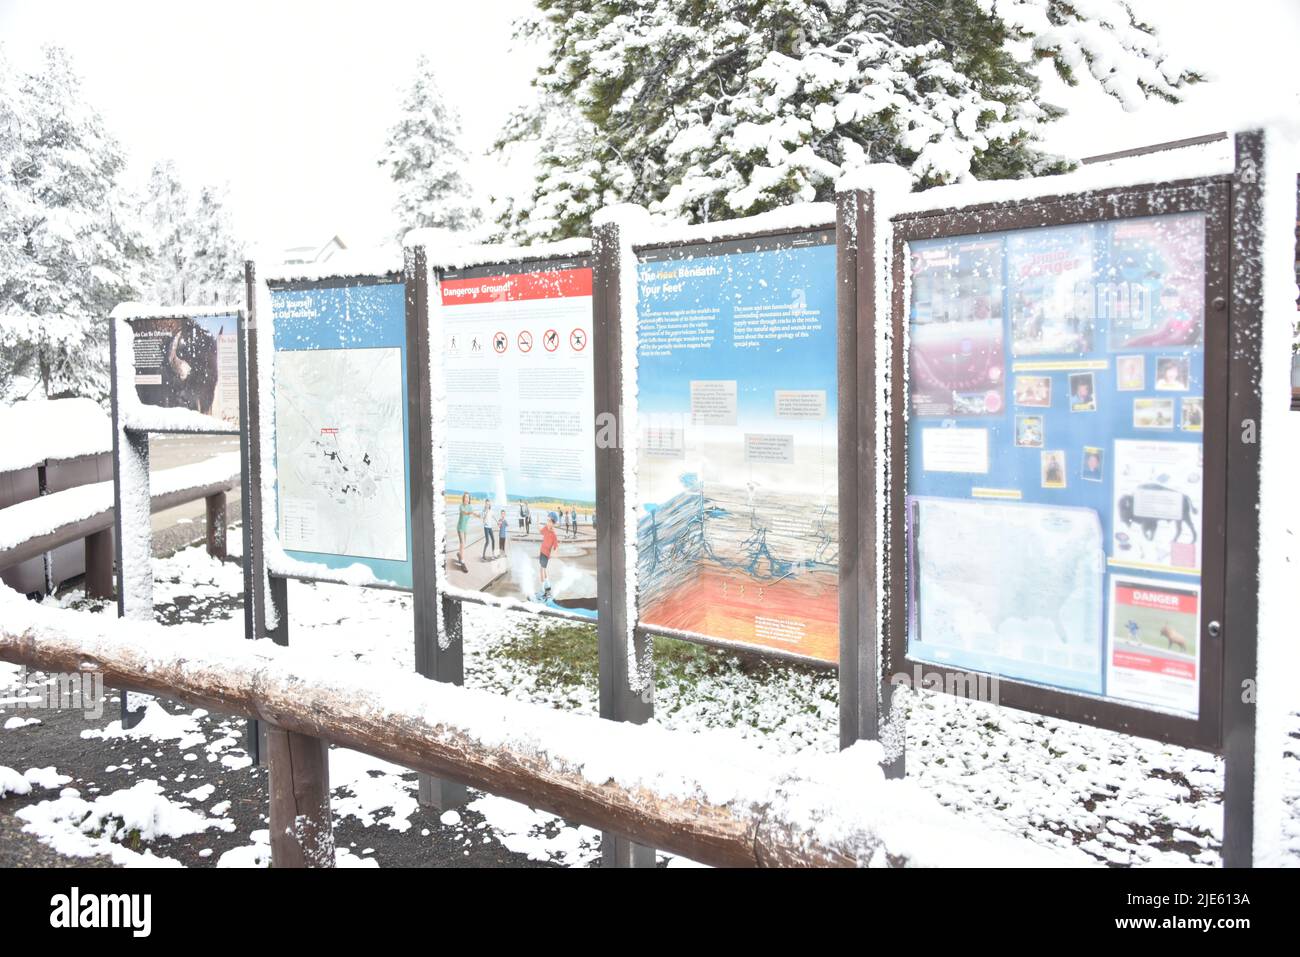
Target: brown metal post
{"type": "Point", "coordinates": [618, 699]}
{"type": "Point", "coordinates": [302, 831]}
{"type": "Point", "coordinates": [864, 694]}
{"type": "Point", "coordinates": [216, 516]}
{"type": "Point", "coordinates": [254, 491]}
{"type": "Point", "coordinates": [99, 564]}
{"type": "Point", "coordinates": [1241, 592]}
{"type": "Point", "coordinates": [431, 659]}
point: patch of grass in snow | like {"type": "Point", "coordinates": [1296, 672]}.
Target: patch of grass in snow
{"type": "Point", "coordinates": [564, 654]}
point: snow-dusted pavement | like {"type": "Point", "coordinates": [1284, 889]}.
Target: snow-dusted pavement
{"type": "Point", "coordinates": [179, 789]}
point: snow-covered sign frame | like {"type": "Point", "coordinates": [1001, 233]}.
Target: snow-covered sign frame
{"type": "Point", "coordinates": [134, 421]}
{"type": "Point", "coordinates": [1210, 196]}
{"type": "Point", "coordinates": [342, 341]}
{"type": "Point", "coordinates": [1240, 235]}
{"type": "Point", "coordinates": [524, 315]}
{"type": "Point", "coordinates": [775, 364]}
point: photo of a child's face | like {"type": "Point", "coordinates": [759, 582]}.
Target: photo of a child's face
{"type": "Point", "coordinates": [1092, 463]}
{"type": "Point", "coordinates": [1172, 373]}
{"type": "Point", "coordinates": [1082, 396]}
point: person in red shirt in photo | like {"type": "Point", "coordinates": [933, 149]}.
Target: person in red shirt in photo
{"type": "Point", "coordinates": [550, 542]}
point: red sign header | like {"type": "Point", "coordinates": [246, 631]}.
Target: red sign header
{"type": "Point", "coordinates": [1173, 601]}
{"type": "Point", "coordinates": [551, 284]}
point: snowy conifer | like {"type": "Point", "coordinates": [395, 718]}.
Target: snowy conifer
{"type": "Point", "coordinates": [710, 109]}
{"type": "Point", "coordinates": [426, 162]}
{"type": "Point", "coordinates": [195, 257]}
{"type": "Point", "coordinates": [77, 252]}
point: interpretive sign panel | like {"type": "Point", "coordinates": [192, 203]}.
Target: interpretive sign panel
{"type": "Point", "coordinates": [1055, 502]}
{"type": "Point", "coordinates": [520, 434]}
{"type": "Point", "coordinates": [737, 463]}
{"type": "Point", "coordinates": [341, 452]}
{"type": "Point", "coordinates": [189, 362]}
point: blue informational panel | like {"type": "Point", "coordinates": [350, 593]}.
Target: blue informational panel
{"type": "Point", "coordinates": [737, 462]}
{"type": "Point", "coordinates": [342, 458]}
{"type": "Point", "coordinates": [1054, 509]}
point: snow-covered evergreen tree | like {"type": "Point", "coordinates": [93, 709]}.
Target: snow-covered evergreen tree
{"type": "Point", "coordinates": [426, 162]}
{"type": "Point", "coordinates": [195, 256]}
{"type": "Point", "coordinates": [709, 109]}
{"type": "Point", "coordinates": [165, 217]}
{"type": "Point", "coordinates": [77, 253]}
{"type": "Point", "coordinates": [218, 255]}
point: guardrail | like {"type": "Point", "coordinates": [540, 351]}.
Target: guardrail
{"type": "Point", "coordinates": [720, 804]}
{"type": "Point", "coordinates": [32, 528]}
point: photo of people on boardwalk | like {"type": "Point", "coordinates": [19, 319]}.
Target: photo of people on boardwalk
{"type": "Point", "coordinates": [537, 550]}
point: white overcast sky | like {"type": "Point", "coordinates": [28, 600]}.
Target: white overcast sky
{"type": "Point", "coordinates": [288, 102]}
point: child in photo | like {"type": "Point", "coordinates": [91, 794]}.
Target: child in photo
{"type": "Point", "coordinates": [1053, 464]}
{"type": "Point", "coordinates": [1083, 396]}
{"type": "Point", "coordinates": [1172, 373]}
{"type": "Point", "coordinates": [1093, 459]}
{"type": "Point", "coordinates": [1029, 431]}
{"type": "Point", "coordinates": [1130, 373]}
{"type": "Point", "coordinates": [1193, 413]}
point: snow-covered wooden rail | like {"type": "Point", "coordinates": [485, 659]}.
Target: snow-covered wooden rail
{"type": "Point", "coordinates": [717, 803]}
{"type": "Point", "coordinates": [29, 529]}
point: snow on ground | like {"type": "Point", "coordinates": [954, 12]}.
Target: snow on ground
{"type": "Point", "coordinates": [1123, 800]}
{"type": "Point", "coordinates": [116, 824]}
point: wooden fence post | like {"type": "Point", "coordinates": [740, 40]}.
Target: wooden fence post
{"type": "Point", "coordinates": [99, 564]}
{"type": "Point", "coordinates": [216, 522]}
{"type": "Point", "coordinates": [302, 830]}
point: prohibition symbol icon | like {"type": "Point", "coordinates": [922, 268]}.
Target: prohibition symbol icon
{"type": "Point", "coordinates": [500, 342]}
{"type": "Point", "coordinates": [525, 341]}
{"type": "Point", "coordinates": [578, 339]}
{"type": "Point", "coordinates": [551, 340]}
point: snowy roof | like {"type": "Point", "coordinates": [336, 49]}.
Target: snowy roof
{"type": "Point", "coordinates": [315, 252]}
{"type": "Point", "coordinates": [52, 429]}
{"type": "Point", "coordinates": [344, 264]}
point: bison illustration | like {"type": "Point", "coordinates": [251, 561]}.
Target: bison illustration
{"type": "Point", "coordinates": [1150, 525]}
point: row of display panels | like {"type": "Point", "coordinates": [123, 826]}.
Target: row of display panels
{"type": "Point", "coordinates": [1054, 519]}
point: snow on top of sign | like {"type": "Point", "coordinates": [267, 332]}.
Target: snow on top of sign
{"type": "Point", "coordinates": [794, 218]}
{"type": "Point", "coordinates": [153, 310]}
{"type": "Point", "coordinates": [841, 797]}
{"type": "Point", "coordinates": [344, 264]}
{"type": "Point", "coordinates": [1190, 162]}
{"type": "Point", "coordinates": [444, 252]}
{"type": "Point", "coordinates": [52, 429]}
{"type": "Point", "coordinates": [136, 415]}
{"type": "Point", "coordinates": [878, 178]}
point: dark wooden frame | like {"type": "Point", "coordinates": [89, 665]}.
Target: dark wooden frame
{"type": "Point", "coordinates": [137, 446]}
{"type": "Point", "coordinates": [1208, 195]}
